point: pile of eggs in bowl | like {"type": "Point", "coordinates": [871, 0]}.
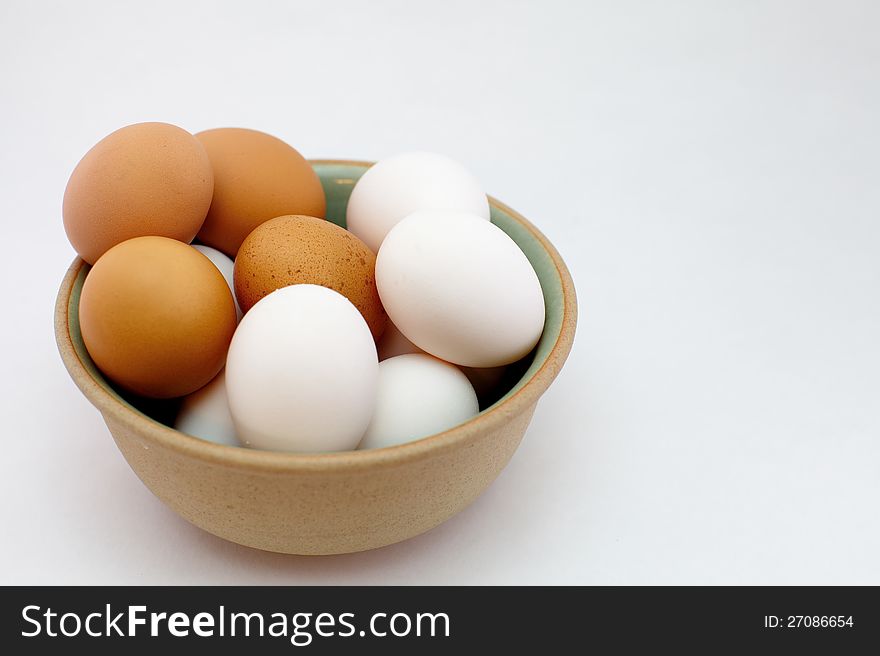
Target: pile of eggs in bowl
{"type": "Point", "coordinates": [216, 279]}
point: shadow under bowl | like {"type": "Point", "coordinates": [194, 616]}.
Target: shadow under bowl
{"type": "Point", "coordinates": [335, 502]}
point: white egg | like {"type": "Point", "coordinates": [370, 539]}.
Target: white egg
{"type": "Point", "coordinates": [205, 413]}
{"type": "Point", "coordinates": [393, 342]}
{"type": "Point", "coordinates": [226, 267]}
{"type": "Point", "coordinates": [418, 396]}
{"type": "Point", "coordinates": [459, 288]}
{"type": "Point", "coordinates": [301, 372]}
{"type": "Point", "coordinates": [399, 185]}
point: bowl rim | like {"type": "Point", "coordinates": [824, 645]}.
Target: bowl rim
{"type": "Point", "coordinates": [343, 461]}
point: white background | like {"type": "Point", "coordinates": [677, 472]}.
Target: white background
{"type": "Point", "coordinates": [709, 170]}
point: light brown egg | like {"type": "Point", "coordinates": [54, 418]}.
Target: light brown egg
{"type": "Point", "coordinates": [290, 250]}
{"type": "Point", "coordinates": [157, 317]}
{"type": "Point", "coordinates": [144, 179]}
{"type": "Point", "coordinates": [256, 178]}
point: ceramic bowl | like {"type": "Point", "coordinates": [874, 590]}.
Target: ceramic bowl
{"type": "Point", "coordinates": [335, 502]}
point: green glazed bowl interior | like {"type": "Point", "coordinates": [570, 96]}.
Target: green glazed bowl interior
{"type": "Point", "coordinates": [338, 179]}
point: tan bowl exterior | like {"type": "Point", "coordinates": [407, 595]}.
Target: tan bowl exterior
{"type": "Point", "coordinates": [325, 503]}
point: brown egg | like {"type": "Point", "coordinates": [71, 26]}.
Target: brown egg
{"type": "Point", "coordinates": [157, 317]}
{"type": "Point", "coordinates": [256, 178]}
{"type": "Point", "coordinates": [290, 250]}
{"type": "Point", "coordinates": [144, 179]}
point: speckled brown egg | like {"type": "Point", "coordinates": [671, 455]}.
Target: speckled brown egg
{"type": "Point", "coordinates": [290, 250]}
{"type": "Point", "coordinates": [256, 178]}
{"type": "Point", "coordinates": [157, 317]}
{"type": "Point", "coordinates": [144, 179]}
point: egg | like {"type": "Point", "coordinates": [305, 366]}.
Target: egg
{"type": "Point", "coordinates": [301, 372]}
{"type": "Point", "coordinates": [485, 380]}
{"type": "Point", "coordinates": [156, 317]}
{"type": "Point", "coordinates": [418, 395]}
{"type": "Point", "coordinates": [302, 249]}
{"type": "Point", "coordinates": [205, 414]}
{"type": "Point", "coordinates": [460, 288]}
{"type": "Point", "coordinates": [143, 179]}
{"type": "Point", "coordinates": [226, 267]}
{"type": "Point", "coordinates": [397, 186]}
{"type": "Point", "coordinates": [256, 178]}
